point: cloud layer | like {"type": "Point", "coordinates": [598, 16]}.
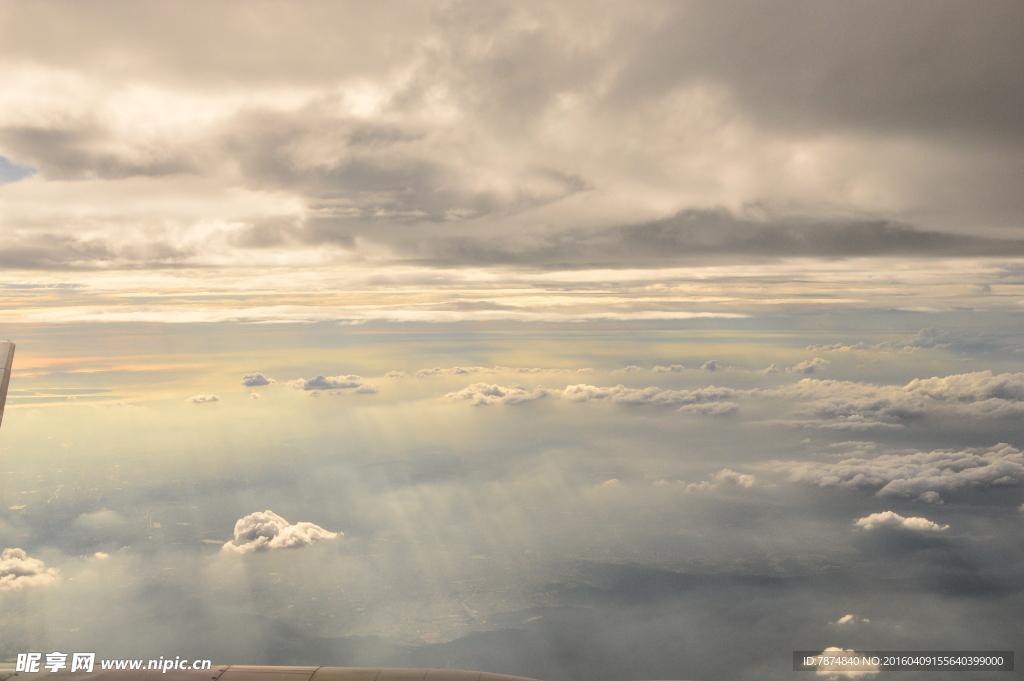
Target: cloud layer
{"type": "Point", "coordinates": [926, 475]}
{"type": "Point", "coordinates": [708, 401]}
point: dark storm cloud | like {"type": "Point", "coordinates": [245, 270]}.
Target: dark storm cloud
{"type": "Point", "coordinates": [54, 251]}
{"type": "Point", "coordinates": [696, 235]}
{"type": "Point", "coordinates": [454, 117]}
{"type": "Point", "coordinates": [77, 151]}
{"type": "Point", "coordinates": [909, 67]}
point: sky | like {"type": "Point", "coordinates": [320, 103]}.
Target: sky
{"type": "Point", "coordinates": [580, 341]}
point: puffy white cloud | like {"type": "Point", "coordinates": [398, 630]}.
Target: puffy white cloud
{"type": "Point", "coordinates": [845, 405]}
{"type": "Point", "coordinates": [18, 570]}
{"type": "Point", "coordinates": [707, 401]}
{"type": "Point", "coordinates": [924, 475]}
{"type": "Point", "coordinates": [256, 380]}
{"type": "Point", "coordinates": [672, 368]}
{"type": "Point", "coordinates": [772, 368]}
{"type": "Point", "coordinates": [849, 619]}
{"type": "Point", "coordinates": [711, 365]}
{"type": "Point", "coordinates": [334, 385]}
{"type": "Point", "coordinates": [809, 366]}
{"type": "Point", "coordinates": [725, 476]}
{"type": "Point", "coordinates": [895, 520]}
{"type": "Point", "coordinates": [709, 408]}
{"type": "Point", "coordinates": [632, 368]}
{"type": "Point", "coordinates": [199, 399]}
{"type": "Point", "coordinates": [254, 396]}
{"type": "Point", "coordinates": [925, 338]}
{"type": "Point", "coordinates": [462, 371]}
{"type": "Point", "coordinates": [642, 396]}
{"type": "Point", "coordinates": [265, 531]}
{"type": "Point", "coordinates": [486, 394]}
{"type": "Point", "coordinates": [730, 476]}
{"type": "Point", "coordinates": [449, 371]}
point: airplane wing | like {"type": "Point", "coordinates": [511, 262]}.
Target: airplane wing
{"type": "Point", "coordinates": [6, 358]}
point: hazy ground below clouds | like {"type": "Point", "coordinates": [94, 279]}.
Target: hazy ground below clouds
{"type": "Point", "coordinates": [618, 501]}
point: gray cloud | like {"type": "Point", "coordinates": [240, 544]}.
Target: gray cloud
{"type": "Point", "coordinates": [334, 385]}
{"type": "Point", "coordinates": [18, 570]}
{"type": "Point", "coordinates": [258, 532]}
{"type": "Point", "coordinates": [200, 399]}
{"type": "Point", "coordinates": [485, 113]}
{"type": "Point", "coordinates": [695, 235]}
{"type": "Point", "coordinates": [255, 380]}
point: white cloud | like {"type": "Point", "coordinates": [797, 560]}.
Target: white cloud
{"type": "Point", "coordinates": [632, 368]}
{"type": "Point", "coordinates": [894, 520]}
{"type": "Point", "coordinates": [849, 619]}
{"type": "Point", "coordinates": [256, 380]}
{"type": "Point", "coordinates": [809, 366]}
{"type": "Point", "coordinates": [732, 477]}
{"type": "Point", "coordinates": [254, 396]}
{"type": "Point", "coordinates": [709, 408]}
{"type": "Point", "coordinates": [711, 365]}
{"type": "Point", "coordinates": [200, 399]}
{"type": "Point", "coordinates": [652, 395]}
{"type": "Point", "coordinates": [920, 473]}
{"type": "Point", "coordinates": [772, 368]}
{"type": "Point", "coordinates": [724, 476]}
{"type": "Point", "coordinates": [845, 405]}
{"type": "Point", "coordinates": [673, 368]}
{"type": "Point", "coordinates": [462, 371]}
{"type": "Point", "coordinates": [266, 531]}
{"type": "Point", "coordinates": [486, 394]}
{"type": "Point", "coordinates": [18, 570]}
{"type": "Point", "coordinates": [707, 401]}
{"type": "Point", "coordinates": [450, 371]}
{"type": "Point", "coordinates": [925, 338]}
